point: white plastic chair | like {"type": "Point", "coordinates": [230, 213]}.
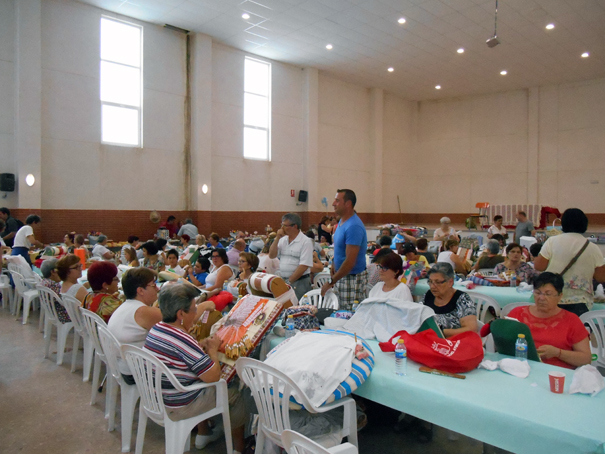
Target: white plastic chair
{"type": "Point", "coordinates": [295, 443]}
{"type": "Point", "coordinates": [47, 299]}
{"type": "Point", "coordinates": [596, 321]}
{"type": "Point", "coordinates": [71, 305]}
{"type": "Point", "coordinates": [91, 321]}
{"type": "Point", "coordinates": [129, 393]}
{"type": "Point", "coordinates": [274, 409]}
{"type": "Point", "coordinates": [148, 371]}
{"type": "Point", "coordinates": [320, 279]}
{"type": "Point", "coordinates": [7, 291]}
{"type": "Point", "coordinates": [509, 307]}
{"type": "Point", "coordinates": [483, 303]}
{"type": "Point", "coordinates": [486, 272]}
{"type": "Point", "coordinates": [329, 301]}
{"type": "Point", "coordinates": [24, 296]}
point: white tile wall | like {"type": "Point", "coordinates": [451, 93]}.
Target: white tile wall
{"type": "Point", "coordinates": [6, 96]}
{"type": "Point", "coordinates": [7, 29]}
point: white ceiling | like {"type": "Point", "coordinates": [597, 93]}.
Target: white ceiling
{"type": "Point", "coordinates": [367, 39]}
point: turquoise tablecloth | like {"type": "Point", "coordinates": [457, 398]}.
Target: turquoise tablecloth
{"type": "Point", "coordinates": [494, 407]}
{"type": "Point", "coordinates": [503, 295]}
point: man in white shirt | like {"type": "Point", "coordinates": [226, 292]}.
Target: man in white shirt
{"type": "Point", "coordinates": [295, 252]}
{"type": "Point", "coordinates": [497, 228]}
{"type": "Point", "coordinates": [188, 229]}
{"type": "Point", "coordinates": [100, 250]}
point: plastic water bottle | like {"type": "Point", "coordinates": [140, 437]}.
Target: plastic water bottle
{"type": "Point", "coordinates": [513, 280]}
{"type": "Point", "coordinates": [225, 286]}
{"type": "Point", "coordinates": [290, 326]}
{"type": "Point", "coordinates": [521, 348]}
{"type": "Point", "coordinates": [401, 358]}
{"type": "Point", "coordinates": [355, 306]}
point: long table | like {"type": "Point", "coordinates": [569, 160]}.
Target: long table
{"type": "Point", "coordinates": [503, 295]}
{"type": "Point", "coordinates": [519, 415]}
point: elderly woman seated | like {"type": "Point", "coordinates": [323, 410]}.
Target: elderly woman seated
{"type": "Point", "coordinates": [52, 281]}
{"type": "Point", "coordinates": [455, 311]}
{"type": "Point", "coordinates": [450, 256]}
{"type": "Point", "coordinates": [560, 337]}
{"type": "Point", "coordinates": [100, 250]}
{"type": "Point", "coordinates": [69, 269]}
{"type": "Point", "coordinates": [103, 280]}
{"type": "Point", "coordinates": [514, 264]}
{"type": "Point", "coordinates": [389, 270]}
{"type": "Point", "coordinates": [491, 257]}
{"type": "Point", "coordinates": [191, 362]}
{"type": "Point", "coordinates": [446, 231]}
{"type": "Point", "coordinates": [200, 242]}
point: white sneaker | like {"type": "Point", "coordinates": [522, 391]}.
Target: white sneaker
{"type": "Point", "coordinates": [201, 441]}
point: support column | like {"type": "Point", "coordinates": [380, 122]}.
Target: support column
{"type": "Point", "coordinates": [28, 101]}
{"type": "Point", "coordinates": [376, 143]}
{"type": "Point", "coordinates": [201, 128]}
{"type": "Point", "coordinates": [533, 131]}
{"type": "Point", "coordinates": [311, 134]}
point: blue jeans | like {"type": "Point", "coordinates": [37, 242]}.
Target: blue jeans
{"type": "Point", "coordinates": [23, 252]}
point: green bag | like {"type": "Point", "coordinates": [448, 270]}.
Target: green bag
{"type": "Point", "coordinates": [430, 323]}
{"type": "Point", "coordinates": [505, 334]}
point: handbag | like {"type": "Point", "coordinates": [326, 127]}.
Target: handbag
{"type": "Point", "coordinates": [575, 259]}
{"type": "Point", "coordinates": [460, 353]}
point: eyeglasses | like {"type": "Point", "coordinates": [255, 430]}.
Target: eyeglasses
{"type": "Point", "coordinates": [77, 267]}
{"type": "Point", "coordinates": [286, 225]}
{"type": "Point", "coordinates": [241, 261]}
{"type": "Point", "coordinates": [546, 294]}
{"type": "Point", "coordinates": [216, 256]}
{"type": "Point", "coordinates": [152, 284]}
{"type": "Point", "coordinates": [435, 282]}
{"type": "Point", "coordinates": [382, 268]}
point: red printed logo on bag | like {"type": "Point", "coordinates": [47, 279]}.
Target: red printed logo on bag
{"type": "Point", "coordinates": [446, 350]}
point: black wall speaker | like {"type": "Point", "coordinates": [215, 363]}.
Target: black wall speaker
{"type": "Point", "coordinates": [302, 196]}
{"type": "Point", "coordinates": [7, 182]}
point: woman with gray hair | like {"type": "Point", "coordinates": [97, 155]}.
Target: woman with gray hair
{"type": "Point", "coordinates": [51, 279]}
{"type": "Point", "coordinates": [100, 250]}
{"type": "Point", "coordinates": [446, 231]}
{"type": "Point", "coordinates": [455, 312]}
{"type": "Point", "coordinates": [491, 257]}
{"type": "Point", "coordinates": [191, 362]}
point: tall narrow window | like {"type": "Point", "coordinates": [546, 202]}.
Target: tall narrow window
{"type": "Point", "coordinates": [121, 75]}
{"type": "Point", "coordinates": [257, 109]}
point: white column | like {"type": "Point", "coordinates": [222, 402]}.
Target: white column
{"type": "Point", "coordinates": [533, 121]}
{"type": "Point", "coordinates": [311, 133]}
{"type": "Point", "coordinates": [376, 144]}
{"type": "Point", "coordinates": [201, 122]}
{"type": "Point", "coordinates": [28, 101]}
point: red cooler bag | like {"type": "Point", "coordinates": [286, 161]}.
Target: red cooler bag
{"type": "Point", "coordinates": [460, 353]}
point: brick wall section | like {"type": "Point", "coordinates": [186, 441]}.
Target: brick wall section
{"type": "Point", "coordinates": [118, 224]}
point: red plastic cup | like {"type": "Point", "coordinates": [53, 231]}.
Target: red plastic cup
{"type": "Point", "coordinates": [557, 382]}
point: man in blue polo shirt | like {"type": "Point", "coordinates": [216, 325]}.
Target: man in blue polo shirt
{"type": "Point", "coordinates": [349, 274]}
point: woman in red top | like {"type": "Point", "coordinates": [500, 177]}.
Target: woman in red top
{"type": "Point", "coordinates": [560, 337]}
{"type": "Point", "coordinates": [103, 280]}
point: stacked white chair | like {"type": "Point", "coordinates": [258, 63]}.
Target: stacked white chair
{"type": "Point", "coordinates": [148, 371]}
{"type": "Point", "coordinates": [72, 305]}
{"type": "Point", "coordinates": [329, 301]}
{"type": "Point", "coordinates": [129, 393]}
{"type": "Point", "coordinates": [24, 296]}
{"type": "Point", "coordinates": [47, 300]}
{"type": "Point", "coordinates": [6, 290]}
{"type": "Point", "coordinates": [273, 407]}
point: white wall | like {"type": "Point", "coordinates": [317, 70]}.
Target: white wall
{"type": "Point", "coordinates": [344, 158]}
{"type": "Point", "coordinates": [78, 172]}
{"type": "Point", "coordinates": [7, 30]}
{"type": "Point", "coordinates": [240, 184]}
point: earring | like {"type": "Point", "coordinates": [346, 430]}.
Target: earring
{"type": "Point", "coordinates": [181, 322]}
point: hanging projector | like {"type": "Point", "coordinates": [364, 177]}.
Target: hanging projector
{"type": "Point", "coordinates": [492, 42]}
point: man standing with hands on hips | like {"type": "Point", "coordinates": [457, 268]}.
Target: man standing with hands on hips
{"type": "Point", "coordinates": [349, 274]}
{"type": "Point", "coordinates": [295, 252]}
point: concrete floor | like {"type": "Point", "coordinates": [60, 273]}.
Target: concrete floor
{"type": "Point", "coordinates": [45, 408]}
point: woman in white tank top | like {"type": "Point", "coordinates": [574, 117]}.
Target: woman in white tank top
{"type": "Point", "coordinates": [449, 255]}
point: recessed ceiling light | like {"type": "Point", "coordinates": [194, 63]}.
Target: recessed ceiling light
{"type": "Point", "coordinates": [503, 72]}
{"type": "Point", "coordinates": [585, 55]}
{"type": "Point", "coordinates": [401, 20]}
{"type": "Point", "coordinates": [460, 51]}
{"type": "Point", "coordinates": [438, 87]}
{"type": "Point", "coordinates": [246, 16]}
{"type": "Point", "coordinates": [329, 46]}
{"type": "Point", "coordinates": [550, 26]}
{"type": "Point", "coordinates": [391, 70]}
